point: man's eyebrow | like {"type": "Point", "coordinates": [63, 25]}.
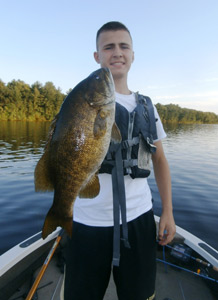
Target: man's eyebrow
{"type": "Point", "coordinates": [109, 45]}
{"type": "Point", "coordinates": [124, 44]}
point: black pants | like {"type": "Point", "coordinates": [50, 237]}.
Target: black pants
{"type": "Point", "coordinates": [89, 259]}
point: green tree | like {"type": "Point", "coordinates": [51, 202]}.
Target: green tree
{"type": "Point", "coordinates": [19, 101]}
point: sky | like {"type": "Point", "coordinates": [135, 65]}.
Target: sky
{"type": "Point", "coordinates": [175, 44]}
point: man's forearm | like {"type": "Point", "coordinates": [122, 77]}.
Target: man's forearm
{"type": "Point", "coordinates": [163, 180]}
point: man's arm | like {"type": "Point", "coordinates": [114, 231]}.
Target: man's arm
{"type": "Point", "coordinates": [167, 227]}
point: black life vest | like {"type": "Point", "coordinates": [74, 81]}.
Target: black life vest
{"type": "Point", "coordinates": [138, 130]}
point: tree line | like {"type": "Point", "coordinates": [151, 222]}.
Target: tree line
{"type": "Point", "coordinates": [172, 113]}
{"type": "Point", "coordinates": [20, 101]}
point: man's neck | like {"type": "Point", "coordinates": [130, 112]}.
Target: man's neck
{"type": "Point", "coordinates": [121, 87]}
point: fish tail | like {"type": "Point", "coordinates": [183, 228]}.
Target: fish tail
{"type": "Point", "coordinates": [53, 220]}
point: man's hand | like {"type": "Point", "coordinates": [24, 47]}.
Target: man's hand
{"type": "Point", "coordinates": [167, 228]}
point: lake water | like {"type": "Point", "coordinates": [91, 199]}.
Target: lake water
{"type": "Point", "coordinates": [192, 153]}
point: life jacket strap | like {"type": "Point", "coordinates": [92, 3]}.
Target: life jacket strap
{"type": "Point", "coordinates": [119, 203]}
{"type": "Point", "coordinates": [124, 145]}
{"type": "Point", "coordinates": [130, 163]}
{"type": "Point", "coordinates": [129, 143]}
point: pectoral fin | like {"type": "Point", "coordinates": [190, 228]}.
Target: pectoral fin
{"type": "Point", "coordinates": [100, 125]}
{"type": "Point", "coordinates": [92, 188]}
{"type": "Point", "coordinates": [115, 134]}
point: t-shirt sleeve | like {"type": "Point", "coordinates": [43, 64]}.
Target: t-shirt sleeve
{"type": "Point", "coordinates": [161, 134]}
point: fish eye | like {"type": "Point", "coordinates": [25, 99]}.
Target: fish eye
{"type": "Point", "coordinates": [97, 77]}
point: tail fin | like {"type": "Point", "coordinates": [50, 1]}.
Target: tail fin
{"type": "Point", "coordinates": [53, 220]}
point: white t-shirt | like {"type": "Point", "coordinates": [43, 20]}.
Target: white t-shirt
{"type": "Point", "coordinates": [99, 210]}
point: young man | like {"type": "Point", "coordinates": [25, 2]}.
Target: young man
{"type": "Point", "coordinates": [90, 251]}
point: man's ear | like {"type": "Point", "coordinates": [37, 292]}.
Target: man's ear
{"type": "Point", "coordinates": [96, 57]}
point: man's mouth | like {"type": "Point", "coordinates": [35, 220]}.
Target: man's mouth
{"type": "Point", "coordinates": [117, 63]}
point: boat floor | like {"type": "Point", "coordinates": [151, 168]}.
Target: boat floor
{"type": "Point", "coordinates": [172, 284]}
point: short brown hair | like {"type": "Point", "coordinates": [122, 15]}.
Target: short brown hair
{"type": "Point", "coordinates": [111, 26]}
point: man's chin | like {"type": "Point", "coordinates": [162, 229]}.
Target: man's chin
{"type": "Point", "coordinates": [118, 75]}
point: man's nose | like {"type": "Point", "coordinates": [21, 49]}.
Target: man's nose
{"type": "Point", "coordinates": [117, 52]}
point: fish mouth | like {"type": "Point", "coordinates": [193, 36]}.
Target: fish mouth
{"type": "Point", "coordinates": [108, 75]}
{"type": "Point", "coordinates": [109, 92]}
{"type": "Point", "coordinates": [110, 79]}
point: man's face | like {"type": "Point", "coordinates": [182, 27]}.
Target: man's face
{"type": "Point", "coordinates": [115, 52]}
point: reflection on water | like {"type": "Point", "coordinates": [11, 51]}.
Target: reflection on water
{"type": "Point", "coordinates": [190, 149]}
{"type": "Point", "coordinates": [21, 214]}
{"type": "Point", "coordinates": [22, 135]}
